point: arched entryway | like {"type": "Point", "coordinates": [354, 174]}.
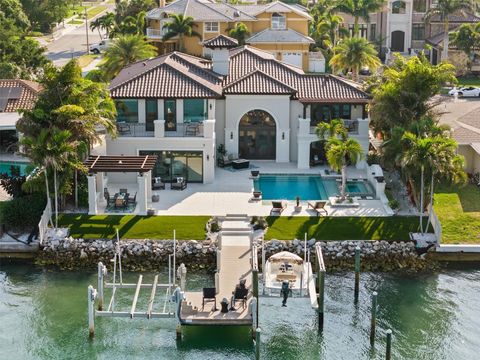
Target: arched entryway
{"type": "Point", "coordinates": [317, 153]}
{"type": "Point", "coordinates": [257, 136]}
{"type": "Point", "coordinates": [398, 41]}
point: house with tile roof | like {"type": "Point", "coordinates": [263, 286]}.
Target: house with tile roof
{"type": "Point", "coordinates": [276, 27]}
{"type": "Point", "coordinates": [15, 95]}
{"type": "Point", "coordinates": [181, 108]}
{"type": "Point", "coordinates": [467, 135]}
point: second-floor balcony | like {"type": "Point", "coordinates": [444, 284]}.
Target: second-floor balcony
{"type": "Point", "coordinates": [356, 127]}
{"type": "Point", "coordinates": [350, 125]}
{"type": "Point", "coordinates": [155, 33]}
{"type": "Point", "coordinates": [159, 129]}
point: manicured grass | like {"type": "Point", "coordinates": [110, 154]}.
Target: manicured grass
{"type": "Point", "coordinates": [458, 209]}
{"type": "Point", "coordinates": [85, 60]}
{"type": "Point", "coordinates": [94, 11]}
{"type": "Point", "coordinates": [395, 228]}
{"type": "Point", "coordinates": [135, 227]}
{"type": "Point", "coordinates": [76, 22]}
{"type": "Point", "coordinates": [76, 10]}
{"type": "Point", "coordinates": [474, 81]}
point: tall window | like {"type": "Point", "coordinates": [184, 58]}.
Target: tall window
{"type": "Point", "coordinates": [211, 26]}
{"type": "Point", "coordinates": [419, 6]}
{"type": "Point", "coordinates": [418, 32]}
{"type": "Point", "coordinates": [399, 7]}
{"type": "Point", "coordinates": [327, 112]}
{"type": "Point", "coordinates": [373, 32]}
{"type": "Point", "coordinates": [362, 30]}
{"type": "Point", "coordinates": [170, 114]}
{"type": "Point", "coordinates": [278, 21]}
{"type": "Point", "coordinates": [194, 110]}
{"type": "Point", "coordinates": [151, 113]}
{"type": "Point", "coordinates": [127, 110]}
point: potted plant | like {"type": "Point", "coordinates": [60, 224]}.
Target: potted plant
{"type": "Point", "coordinates": [298, 207]}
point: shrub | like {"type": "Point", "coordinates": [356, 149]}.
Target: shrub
{"type": "Point", "coordinates": [12, 184]}
{"type": "Point", "coordinates": [394, 204]}
{"type": "Point", "coordinates": [23, 213]}
{"type": "Point", "coordinates": [260, 223]}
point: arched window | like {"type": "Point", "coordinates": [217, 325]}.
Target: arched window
{"type": "Point", "coordinates": [257, 136]}
{"type": "Point", "coordinates": [278, 21]}
{"type": "Point", "coordinates": [399, 7]}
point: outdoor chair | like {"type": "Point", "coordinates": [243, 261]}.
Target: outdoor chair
{"type": "Point", "coordinates": [123, 191]}
{"type": "Point", "coordinates": [257, 195]}
{"type": "Point", "coordinates": [178, 184]}
{"type": "Point", "coordinates": [158, 184]}
{"type": "Point", "coordinates": [110, 199]}
{"type": "Point", "coordinates": [254, 173]}
{"type": "Point", "coordinates": [123, 128]}
{"type": "Point", "coordinates": [210, 295]}
{"type": "Point", "coordinates": [131, 200]}
{"type": "Point", "coordinates": [318, 207]}
{"type": "Point", "coordinates": [224, 161]}
{"type": "Point", "coordinates": [278, 207]}
{"type": "Point", "coordinates": [240, 294]}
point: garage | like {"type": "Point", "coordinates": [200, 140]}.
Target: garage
{"type": "Point", "coordinates": [293, 58]}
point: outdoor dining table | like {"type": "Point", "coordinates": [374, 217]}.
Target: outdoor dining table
{"type": "Point", "coordinates": [120, 200]}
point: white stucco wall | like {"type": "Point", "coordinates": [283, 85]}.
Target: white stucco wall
{"type": "Point", "coordinates": [296, 111]}
{"type": "Point", "coordinates": [472, 158]}
{"type": "Point", "coordinates": [220, 121]}
{"type": "Point", "coordinates": [276, 105]}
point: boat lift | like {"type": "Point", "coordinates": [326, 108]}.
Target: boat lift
{"type": "Point", "coordinates": [169, 301]}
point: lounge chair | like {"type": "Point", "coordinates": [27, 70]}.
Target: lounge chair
{"type": "Point", "coordinates": [254, 173]}
{"type": "Point", "coordinates": [158, 184]}
{"type": "Point", "coordinates": [318, 206]}
{"type": "Point", "coordinates": [123, 191]}
{"type": "Point", "coordinates": [131, 200]}
{"type": "Point", "coordinates": [210, 295]}
{"type": "Point", "coordinates": [178, 184]}
{"type": "Point", "coordinates": [278, 207]}
{"type": "Point", "coordinates": [223, 161]}
{"type": "Point", "coordinates": [240, 295]}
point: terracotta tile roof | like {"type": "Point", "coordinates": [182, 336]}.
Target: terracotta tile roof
{"type": "Point", "coordinates": [251, 71]}
{"type": "Point", "coordinates": [221, 41]}
{"type": "Point", "coordinates": [459, 17]}
{"type": "Point", "coordinates": [257, 82]}
{"type": "Point", "coordinates": [283, 36]}
{"type": "Point", "coordinates": [27, 95]}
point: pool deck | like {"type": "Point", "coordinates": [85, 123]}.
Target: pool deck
{"type": "Point", "coordinates": [231, 192]}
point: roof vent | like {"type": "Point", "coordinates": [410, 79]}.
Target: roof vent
{"type": "Point", "coordinates": [236, 13]}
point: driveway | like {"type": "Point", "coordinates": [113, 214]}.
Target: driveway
{"type": "Point", "coordinates": [452, 109]}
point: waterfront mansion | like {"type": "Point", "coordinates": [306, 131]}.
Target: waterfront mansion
{"type": "Point", "coordinates": [182, 108]}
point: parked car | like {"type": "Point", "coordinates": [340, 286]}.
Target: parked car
{"type": "Point", "coordinates": [365, 71]}
{"type": "Point", "coordinates": [99, 47]}
{"type": "Point", "coordinates": [466, 91]}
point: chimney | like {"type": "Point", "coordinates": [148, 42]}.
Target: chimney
{"type": "Point", "coordinates": [220, 60]}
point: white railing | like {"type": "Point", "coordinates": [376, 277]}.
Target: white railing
{"type": "Point", "coordinates": [155, 33]}
{"type": "Point", "coordinates": [351, 125]}
{"type": "Point", "coordinates": [437, 226]}
{"type": "Point", "coordinates": [43, 223]}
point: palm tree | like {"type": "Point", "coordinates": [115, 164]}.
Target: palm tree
{"type": "Point", "coordinates": [125, 50]}
{"type": "Point", "coordinates": [334, 128]}
{"type": "Point", "coordinates": [443, 9]}
{"type": "Point", "coordinates": [354, 53]}
{"type": "Point", "coordinates": [96, 24]}
{"type": "Point", "coordinates": [359, 9]}
{"type": "Point", "coordinates": [107, 23]}
{"type": "Point", "coordinates": [239, 32]}
{"type": "Point", "coordinates": [327, 30]}
{"type": "Point", "coordinates": [180, 26]}
{"type": "Point", "coordinates": [340, 152]}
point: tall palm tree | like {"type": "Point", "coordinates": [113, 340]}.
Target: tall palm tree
{"type": "Point", "coordinates": [334, 128]}
{"type": "Point", "coordinates": [341, 152]}
{"type": "Point", "coordinates": [239, 32]}
{"type": "Point", "coordinates": [445, 8]}
{"type": "Point", "coordinates": [359, 9]}
{"type": "Point", "coordinates": [327, 30]}
{"type": "Point", "coordinates": [125, 50]}
{"type": "Point", "coordinates": [180, 26]}
{"type": "Point", "coordinates": [353, 54]}
{"type": "Point", "coordinates": [96, 24]}
{"type": "Point", "coordinates": [107, 23]}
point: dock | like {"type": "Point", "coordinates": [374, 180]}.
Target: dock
{"type": "Point", "coordinates": [234, 263]}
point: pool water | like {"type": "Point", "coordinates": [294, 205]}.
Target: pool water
{"type": "Point", "coordinates": [6, 167]}
{"type": "Point", "coordinates": [307, 187]}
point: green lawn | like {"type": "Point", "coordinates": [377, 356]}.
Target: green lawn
{"type": "Point", "coordinates": [135, 227]}
{"type": "Point", "coordinates": [342, 228]}
{"type": "Point", "coordinates": [458, 209]}
{"type": "Point", "coordinates": [94, 11]}
{"type": "Point", "coordinates": [474, 81]}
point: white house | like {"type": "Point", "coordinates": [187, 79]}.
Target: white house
{"type": "Point", "coordinates": [181, 108]}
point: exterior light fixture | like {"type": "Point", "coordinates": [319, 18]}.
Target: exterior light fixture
{"type": "Point", "coordinates": [283, 136]}
{"type": "Point", "coordinates": [231, 135]}
{"type": "Point", "coordinates": [208, 157]}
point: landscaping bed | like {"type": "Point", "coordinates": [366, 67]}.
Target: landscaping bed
{"type": "Point", "coordinates": [394, 228]}
{"type": "Point", "coordinates": [134, 227]}
{"type": "Point", "coordinates": [458, 209]}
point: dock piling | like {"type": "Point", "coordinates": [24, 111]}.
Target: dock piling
{"type": "Point", "coordinates": [388, 354]}
{"type": "Point", "coordinates": [101, 282]}
{"type": "Point", "coordinates": [91, 299]}
{"type": "Point", "coordinates": [357, 272]}
{"type": "Point", "coordinates": [373, 322]}
{"type": "Point", "coordinates": [255, 289]}
{"type": "Point", "coordinates": [321, 299]}
{"type": "Point", "coordinates": [257, 343]}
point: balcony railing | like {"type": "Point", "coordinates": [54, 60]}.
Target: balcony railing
{"type": "Point", "coordinates": [194, 129]}
{"type": "Point", "coordinates": [155, 33]}
{"type": "Point", "coordinates": [135, 129]}
{"type": "Point", "coordinates": [351, 125]}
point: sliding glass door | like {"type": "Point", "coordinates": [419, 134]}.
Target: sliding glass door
{"type": "Point", "coordinates": [173, 164]}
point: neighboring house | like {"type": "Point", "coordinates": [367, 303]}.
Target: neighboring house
{"type": "Point", "coordinates": [401, 28]}
{"type": "Point", "coordinates": [180, 108]}
{"type": "Point", "coordinates": [15, 95]}
{"type": "Point", "coordinates": [276, 27]}
{"type": "Point", "coordinates": [467, 135]}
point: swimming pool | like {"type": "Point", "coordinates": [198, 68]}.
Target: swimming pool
{"type": "Point", "coordinates": [6, 167]}
{"type": "Point", "coordinates": [308, 187]}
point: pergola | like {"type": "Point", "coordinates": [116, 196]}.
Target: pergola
{"type": "Point", "coordinates": [97, 165]}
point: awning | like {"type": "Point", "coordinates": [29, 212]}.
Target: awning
{"type": "Point", "coordinates": [106, 163]}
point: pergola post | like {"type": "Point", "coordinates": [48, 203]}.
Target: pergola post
{"type": "Point", "coordinates": [148, 175]}
{"type": "Point", "coordinates": [92, 195]}
{"type": "Point", "coordinates": [142, 194]}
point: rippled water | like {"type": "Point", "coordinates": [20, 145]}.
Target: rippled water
{"type": "Point", "coordinates": [434, 316]}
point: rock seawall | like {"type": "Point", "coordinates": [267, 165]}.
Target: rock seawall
{"type": "Point", "coordinates": [142, 255]}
